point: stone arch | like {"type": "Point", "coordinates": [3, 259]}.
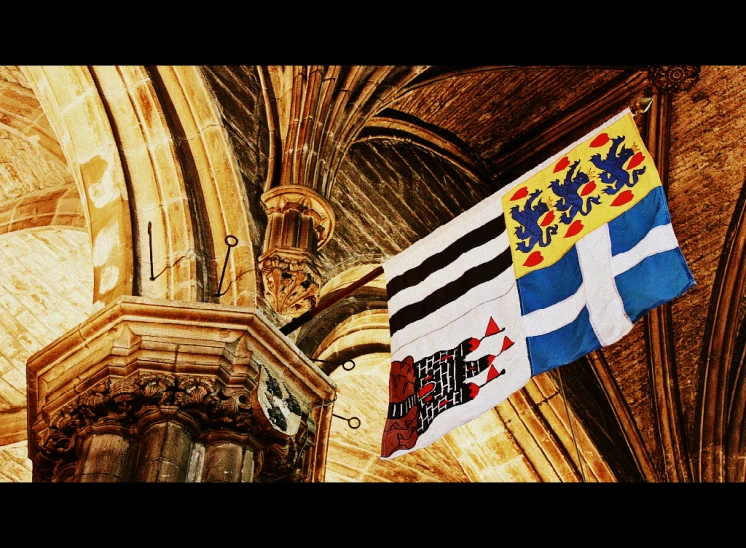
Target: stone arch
{"type": "Point", "coordinates": [72, 103]}
{"type": "Point", "coordinates": [120, 143]}
{"type": "Point", "coordinates": [199, 131]}
{"type": "Point", "coordinates": [158, 202]}
{"type": "Point", "coordinates": [721, 411]}
{"type": "Point", "coordinates": [58, 206]}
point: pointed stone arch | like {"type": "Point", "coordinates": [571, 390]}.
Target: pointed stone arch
{"type": "Point", "coordinates": [199, 133]}
{"type": "Point", "coordinates": [156, 176]}
{"type": "Point", "coordinates": [721, 410]}
{"type": "Point", "coordinates": [72, 103]}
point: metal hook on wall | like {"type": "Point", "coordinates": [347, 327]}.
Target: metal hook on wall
{"type": "Point", "coordinates": [153, 275]}
{"type": "Point", "coordinates": [352, 422]}
{"type": "Point", "coordinates": [231, 241]}
{"type": "Point", "coordinates": [343, 364]}
{"type": "Point", "coordinates": [150, 242]}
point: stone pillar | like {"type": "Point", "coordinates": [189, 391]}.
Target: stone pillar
{"type": "Point", "coordinates": [227, 459]}
{"type": "Point", "coordinates": [104, 455]}
{"type": "Point", "coordinates": [166, 442]}
{"type": "Point", "coordinates": [151, 390]}
{"type": "Point", "coordinates": [299, 222]}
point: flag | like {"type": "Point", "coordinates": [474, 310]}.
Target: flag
{"type": "Point", "coordinates": [559, 263]}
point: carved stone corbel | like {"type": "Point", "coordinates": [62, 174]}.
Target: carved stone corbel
{"type": "Point", "coordinates": [299, 223]}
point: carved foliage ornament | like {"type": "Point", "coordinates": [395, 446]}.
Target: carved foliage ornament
{"type": "Point", "coordinates": [290, 284]}
{"type": "Point", "coordinates": [674, 78]}
{"type": "Point", "coordinates": [123, 402]}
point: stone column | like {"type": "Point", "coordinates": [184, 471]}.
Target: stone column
{"type": "Point", "coordinates": [151, 390]}
{"type": "Point", "coordinates": [104, 455]}
{"type": "Point", "coordinates": [228, 458]}
{"type": "Point", "coordinates": [166, 439]}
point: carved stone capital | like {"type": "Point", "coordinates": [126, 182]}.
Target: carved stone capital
{"type": "Point", "coordinates": [212, 369]}
{"type": "Point", "coordinates": [673, 78]}
{"type": "Point", "coordinates": [305, 201]}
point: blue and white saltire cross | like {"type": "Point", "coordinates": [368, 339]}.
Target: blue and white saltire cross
{"type": "Point", "coordinates": [560, 262]}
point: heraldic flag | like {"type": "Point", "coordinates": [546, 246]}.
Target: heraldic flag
{"type": "Point", "coordinates": [559, 263]}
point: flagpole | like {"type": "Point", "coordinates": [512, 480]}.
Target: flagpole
{"type": "Point", "coordinates": [310, 314]}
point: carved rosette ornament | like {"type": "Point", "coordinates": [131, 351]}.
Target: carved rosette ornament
{"type": "Point", "coordinates": [299, 223]}
{"type": "Point", "coordinates": [147, 390]}
{"type": "Point", "coordinates": [674, 78]}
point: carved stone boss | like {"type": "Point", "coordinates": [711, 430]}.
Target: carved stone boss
{"type": "Point", "coordinates": [150, 390]}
